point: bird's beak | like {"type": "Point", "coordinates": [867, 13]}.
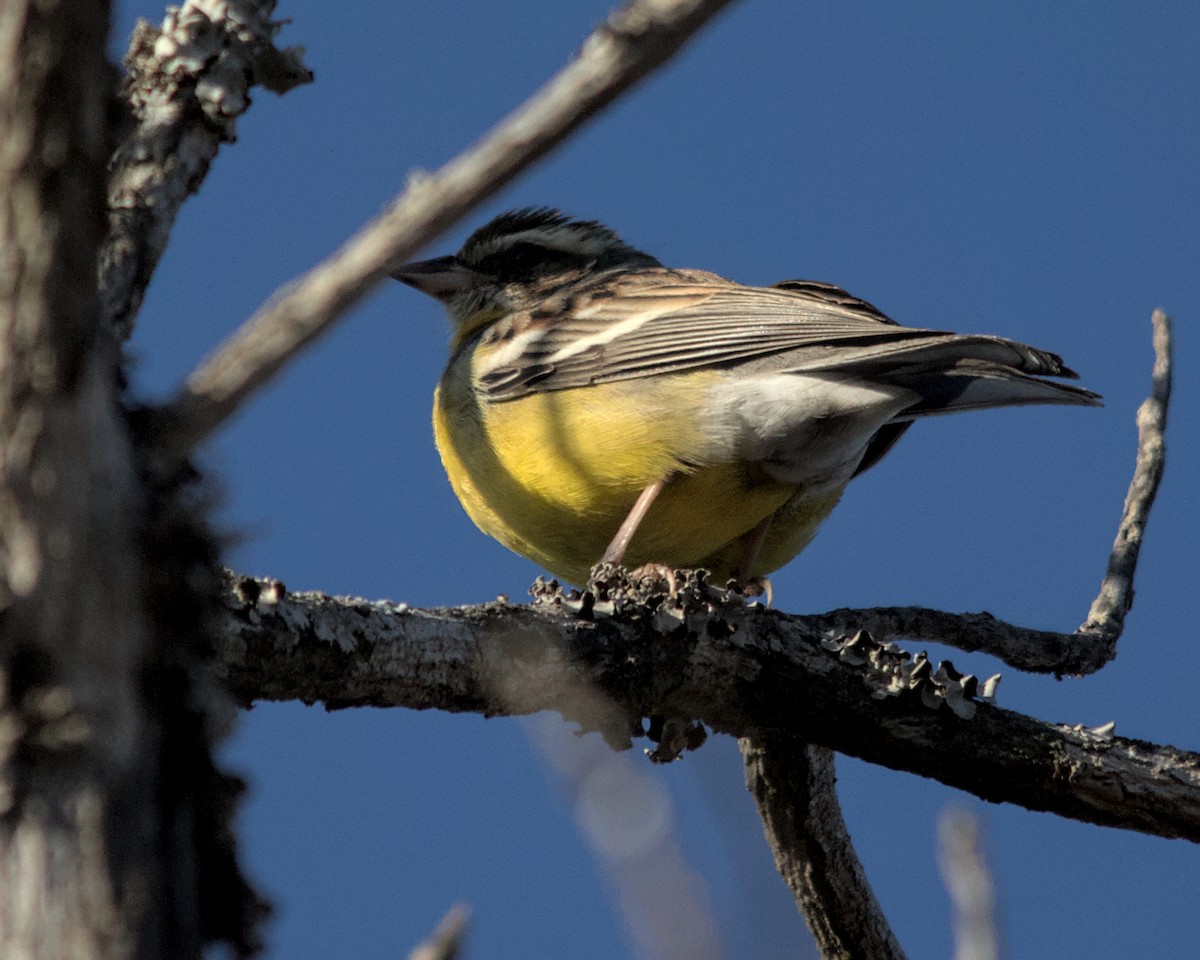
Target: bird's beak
{"type": "Point", "coordinates": [441, 278]}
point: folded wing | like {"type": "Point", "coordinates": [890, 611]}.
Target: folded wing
{"type": "Point", "coordinates": [622, 328]}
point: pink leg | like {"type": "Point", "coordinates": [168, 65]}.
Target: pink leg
{"type": "Point", "coordinates": [620, 543]}
{"type": "Point", "coordinates": [758, 537]}
{"type": "Point", "coordinates": [756, 586]}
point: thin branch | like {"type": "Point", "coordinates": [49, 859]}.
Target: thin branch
{"type": "Point", "coordinates": [445, 943]}
{"type": "Point", "coordinates": [969, 883]}
{"type": "Point", "coordinates": [1035, 651]}
{"type": "Point", "coordinates": [793, 784]}
{"type": "Point", "coordinates": [1094, 644]}
{"type": "Point", "coordinates": [1107, 616]}
{"type": "Point", "coordinates": [636, 39]}
{"type": "Point", "coordinates": [735, 668]}
{"type": "Point", "coordinates": [626, 819]}
{"type": "Point", "coordinates": [188, 82]}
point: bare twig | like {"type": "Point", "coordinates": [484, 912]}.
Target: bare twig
{"type": "Point", "coordinates": [624, 814]}
{"type": "Point", "coordinates": [969, 883]}
{"type": "Point", "coordinates": [445, 943]}
{"type": "Point", "coordinates": [188, 82]}
{"type": "Point", "coordinates": [625, 818]}
{"type": "Point", "coordinates": [736, 669]}
{"type": "Point", "coordinates": [1107, 616]}
{"type": "Point", "coordinates": [1094, 644]}
{"type": "Point", "coordinates": [636, 39]}
{"type": "Point", "coordinates": [793, 784]}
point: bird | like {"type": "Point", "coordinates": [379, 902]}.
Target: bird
{"type": "Point", "coordinates": [598, 406]}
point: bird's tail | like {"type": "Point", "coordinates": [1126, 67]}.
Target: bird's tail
{"type": "Point", "coordinates": [977, 373]}
{"type": "Point", "coordinates": [950, 372]}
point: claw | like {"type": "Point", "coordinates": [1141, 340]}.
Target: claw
{"type": "Point", "coordinates": [758, 587]}
{"type": "Point", "coordinates": [656, 572]}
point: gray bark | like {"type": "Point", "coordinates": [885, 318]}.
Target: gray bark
{"type": "Point", "coordinates": [113, 836]}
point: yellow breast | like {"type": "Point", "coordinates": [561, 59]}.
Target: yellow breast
{"type": "Point", "coordinates": [552, 475]}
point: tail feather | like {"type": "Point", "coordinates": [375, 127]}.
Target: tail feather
{"type": "Point", "coordinates": [974, 380]}
{"type": "Point", "coordinates": [980, 385]}
{"type": "Point", "coordinates": [950, 372]}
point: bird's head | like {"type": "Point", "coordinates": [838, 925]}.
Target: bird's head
{"type": "Point", "coordinates": [517, 259]}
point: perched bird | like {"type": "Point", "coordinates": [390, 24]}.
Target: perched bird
{"type": "Point", "coordinates": [600, 406]}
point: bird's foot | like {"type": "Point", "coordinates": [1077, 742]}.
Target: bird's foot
{"type": "Point", "coordinates": [656, 573]}
{"type": "Point", "coordinates": [755, 587]}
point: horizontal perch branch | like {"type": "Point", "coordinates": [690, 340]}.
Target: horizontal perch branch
{"type": "Point", "coordinates": [741, 670]}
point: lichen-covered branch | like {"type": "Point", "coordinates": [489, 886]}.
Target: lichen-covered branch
{"type": "Point", "coordinates": [703, 657]}
{"type": "Point", "coordinates": [187, 83]}
{"type": "Point", "coordinates": [1035, 651]}
{"type": "Point", "coordinates": [636, 39]}
{"type": "Point", "coordinates": [793, 784]}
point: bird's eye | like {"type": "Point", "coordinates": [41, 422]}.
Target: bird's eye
{"type": "Point", "coordinates": [522, 261]}
{"type": "Point", "coordinates": [525, 258]}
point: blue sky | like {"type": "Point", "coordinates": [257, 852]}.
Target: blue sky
{"type": "Point", "coordinates": [1029, 170]}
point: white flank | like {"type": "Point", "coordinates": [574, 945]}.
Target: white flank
{"type": "Point", "coordinates": [806, 429]}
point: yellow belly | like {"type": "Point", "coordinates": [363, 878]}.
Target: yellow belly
{"type": "Point", "coordinates": [553, 475]}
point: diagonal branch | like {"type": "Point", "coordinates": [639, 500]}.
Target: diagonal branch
{"type": "Point", "coordinates": [445, 943]}
{"type": "Point", "coordinates": [793, 785]}
{"type": "Point", "coordinates": [735, 668]}
{"type": "Point", "coordinates": [636, 40]}
{"type": "Point", "coordinates": [188, 82]}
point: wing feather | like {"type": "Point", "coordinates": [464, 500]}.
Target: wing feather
{"type": "Point", "coordinates": [653, 322]}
